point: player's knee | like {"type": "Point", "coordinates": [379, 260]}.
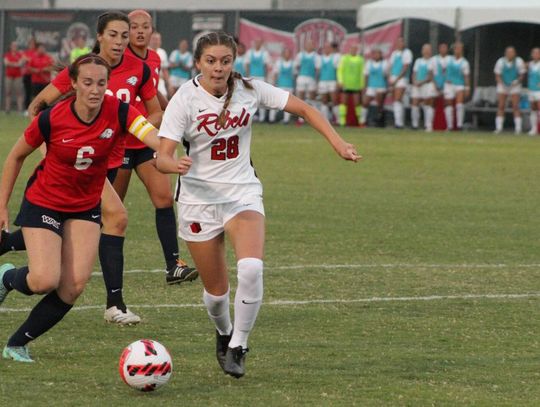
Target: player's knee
{"type": "Point", "coordinates": [250, 275]}
{"type": "Point", "coordinates": [163, 200]}
{"type": "Point", "coordinates": [115, 222]}
{"type": "Point", "coordinates": [43, 284]}
{"type": "Point", "coordinates": [71, 293]}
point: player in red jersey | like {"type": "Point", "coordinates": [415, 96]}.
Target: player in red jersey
{"type": "Point", "coordinates": [130, 77]}
{"type": "Point", "coordinates": [139, 157]}
{"type": "Point", "coordinates": [60, 220]}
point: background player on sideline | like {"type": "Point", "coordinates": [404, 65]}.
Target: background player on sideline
{"type": "Point", "coordinates": [376, 74]}
{"type": "Point", "coordinates": [533, 85]}
{"type": "Point", "coordinates": [221, 193]}
{"type": "Point", "coordinates": [400, 68]}
{"type": "Point", "coordinates": [457, 87]}
{"type": "Point", "coordinates": [257, 66]}
{"type": "Point", "coordinates": [350, 79]}
{"type": "Point", "coordinates": [423, 90]}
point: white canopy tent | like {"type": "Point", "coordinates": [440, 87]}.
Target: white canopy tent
{"type": "Point", "coordinates": [459, 14]}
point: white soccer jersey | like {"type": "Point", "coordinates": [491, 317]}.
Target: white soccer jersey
{"type": "Point", "coordinates": [221, 170]}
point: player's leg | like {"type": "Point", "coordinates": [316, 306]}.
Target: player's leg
{"type": "Point", "coordinates": [342, 108]}
{"type": "Point", "coordinates": [415, 113]}
{"type": "Point", "coordinates": [325, 110]}
{"type": "Point", "coordinates": [460, 109]}
{"type": "Point", "coordinates": [398, 107]}
{"type": "Point", "coordinates": [246, 232]}
{"type": "Point", "coordinates": [41, 276]}
{"type": "Point", "coordinates": [518, 124]}
{"type": "Point", "coordinates": [449, 96]}
{"type": "Point", "coordinates": [8, 93]}
{"type": "Point", "coordinates": [368, 98]}
{"type": "Point", "coordinates": [501, 104]}
{"type": "Point", "coordinates": [428, 114]}
{"type": "Point", "coordinates": [121, 182]}
{"type": "Point", "coordinates": [334, 95]}
{"type": "Point", "coordinates": [111, 255]}
{"type": "Point", "coordinates": [535, 107]}
{"type": "Point", "coordinates": [158, 186]}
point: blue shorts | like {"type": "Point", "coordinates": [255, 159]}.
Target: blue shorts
{"type": "Point", "coordinates": [35, 216]}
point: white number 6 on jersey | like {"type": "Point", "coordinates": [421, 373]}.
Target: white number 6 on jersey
{"type": "Point", "coordinates": [82, 162]}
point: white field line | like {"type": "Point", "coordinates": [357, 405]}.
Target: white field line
{"type": "Point", "coordinates": [311, 302]}
{"type": "Point", "coordinates": [366, 266]}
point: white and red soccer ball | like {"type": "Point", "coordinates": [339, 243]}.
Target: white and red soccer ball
{"type": "Point", "coordinates": [145, 365]}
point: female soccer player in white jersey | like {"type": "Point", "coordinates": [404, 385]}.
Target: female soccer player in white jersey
{"type": "Point", "coordinates": [212, 117]}
{"type": "Point", "coordinates": [457, 87]}
{"type": "Point", "coordinates": [533, 84]}
{"type": "Point", "coordinates": [423, 90]}
{"type": "Point", "coordinates": [509, 73]}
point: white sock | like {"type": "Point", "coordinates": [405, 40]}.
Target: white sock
{"type": "Point", "coordinates": [415, 116]}
{"type": "Point", "coordinates": [335, 111]}
{"type": "Point", "coordinates": [518, 124]}
{"type": "Point", "coordinates": [286, 117]}
{"type": "Point", "coordinates": [272, 115]}
{"type": "Point", "coordinates": [363, 115]}
{"type": "Point", "coordinates": [534, 121]}
{"type": "Point", "coordinates": [428, 117]}
{"type": "Point", "coordinates": [262, 115]}
{"type": "Point", "coordinates": [398, 114]}
{"type": "Point", "coordinates": [499, 121]}
{"type": "Point", "coordinates": [218, 311]}
{"type": "Point", "coordinates": [449, 115]}
{"type": "Point", "coordinates": [325, 111]}
{"type": "Point", "coordinates": [248, 299]}
{"type": "Point", "coordinates": [460, 114]}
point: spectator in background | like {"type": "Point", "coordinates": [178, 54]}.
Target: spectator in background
{"type": "Point", "coordinates": [13, 61]}
{"type": "Point", "coordinates": [155, 44]}
{"type": "Point", "coordinates": [423, 90]}
{"type": "Point", "coordinates": [441, 62]}
{"type": "Point", "coordinates": [509, 73]}
{"type": "Point", "coordinates": [307, 64]}
{"type": "Point", "coordinates": [327, 87]}
{"type": "Point", "coordinates": [240, 61]}
{"type": "Point", "coordinates": [40, 66]}
{"type": "Point", "coordinates": [284, 80]}
{"type": "Point", "coordinates": [180, 66]}
{"type": "Point", "coordinates": [457, 87]}
{"type": "Point", "coordinates": [400, 67]}
{"type": "Point", "coordinates": [29, 53]}
{"type": "Point", "coordinates": [533, 85]}
{"type": "Point", "coordinates": [376, 74]}
{"type": "Point", "coordinates": [350, 78]}
{"type": "Point", "coordinates": [257, 65]}
{"type": "Point", "coordinates": [80, 48]}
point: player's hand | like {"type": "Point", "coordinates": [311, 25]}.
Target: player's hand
{"type": "Point", "coordinates": [184, 164]}
{"type": "Point", "coordinates": [348, 152]}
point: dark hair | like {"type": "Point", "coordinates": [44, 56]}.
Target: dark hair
{"type": "Point", "coordinates": [87, 59]}
{"type": "Point", "coordinates": [221, 38]}
{"type": "Point", "coordinates": [104, 20]}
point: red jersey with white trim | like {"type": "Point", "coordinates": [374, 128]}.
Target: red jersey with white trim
{"type": "Point", "coordinates": [153, 61]}
{"type": "Point", "coordinates": [129, 79]}
{"type": "Point", "coordinates": [71, 176]}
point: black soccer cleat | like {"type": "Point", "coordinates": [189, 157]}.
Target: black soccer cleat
{"type": "Point", "coordinates": [180, 273]}
{"type": "Point", "coordinates": [234, 361]}
{"type": "Point", "coordinates": [222, 344]}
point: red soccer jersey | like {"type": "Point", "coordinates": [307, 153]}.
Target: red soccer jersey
{"type": "Point", "coordinates": [28, 55]}
{"type": "Point", "coordinates": [153, 61]}
{"type": "Point", "coordinates": [71, 176]}
{"type": "Point", "coordinates": [129, 79]}
{"type": "Point", "coordinates": [14, 57]}
{"type": "Point", "coordinates": [41, 61]}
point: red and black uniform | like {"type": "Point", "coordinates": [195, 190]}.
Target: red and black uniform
{"type": "Point", "coordinates": [14, 57]}
{"type": "Point", "coordinates": [40, 77]}
{"type": "Point", "coordinates": [136, 151]}
{"type": "Point", "coordinates": [129, 79]}
{"type": "Point", "coordinates": [69, 181]}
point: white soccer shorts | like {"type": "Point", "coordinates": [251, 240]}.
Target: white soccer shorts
{"type": "Point", "coordinates": [509, 90]}
{"type": "Point", "coordinates": [424, 91]}
{"type": "Point", "coordinates": [326, 87]}
{"type": "Point", "coordinates": [305, 84]}
{"type": "Point", "coordinates": [450, 90]}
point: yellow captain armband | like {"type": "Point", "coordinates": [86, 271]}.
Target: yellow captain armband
{"type": "Point", "coordinates": [140, 127]}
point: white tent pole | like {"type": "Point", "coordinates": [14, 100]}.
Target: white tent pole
{"type": "Point", "coordinates": [476, 57]}
{"type": "Point", "coordinates": [457, 25]}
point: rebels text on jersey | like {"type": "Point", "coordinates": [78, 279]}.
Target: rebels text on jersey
{"type": "Point", "coordinates": [153, 61]}
{"type": "Point", "coordinates": [129, 79]}
{"type": "Point", "coordinates": [71, 176]}
{"type": "Point", "coordinates": [221, 170]}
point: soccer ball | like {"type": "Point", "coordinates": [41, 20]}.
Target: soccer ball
{"type": "Point", "coordinates": [145, 365]}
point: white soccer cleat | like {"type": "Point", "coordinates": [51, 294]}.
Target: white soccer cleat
{"type": "Point", "coordinates": [532, 133]}
{"type": "Point", "coordinates": [117, 316]}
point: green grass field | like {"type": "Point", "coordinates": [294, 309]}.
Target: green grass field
{"type": "Point", "coordinates": [410, 279]}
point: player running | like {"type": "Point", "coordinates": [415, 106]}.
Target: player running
{"type": "Point", "coordinates": [212, 117]}
{"type": "Point", "coordinates": [60, 220]}
{"type": "Point", "coordinates": [457, 87]}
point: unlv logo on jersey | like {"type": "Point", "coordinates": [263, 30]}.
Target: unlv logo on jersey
{"type": "Point", "coordinates": [132, 80]}
{"type": "Point", "coordinates": [107, 133]}
{"type": "Point", "coordinates": [209, 122]}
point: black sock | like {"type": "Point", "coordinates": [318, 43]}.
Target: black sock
{"type": "Point", "coordinates": [111, 257]}
{"type": "Point", "coordinates": [12, 241]}
{"type": "Point", "coordinates": [46, 314]}
{"type": "Point", "coordinates": [15, 279]}
{"type": "Point", "coordinates": [166, 230]}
